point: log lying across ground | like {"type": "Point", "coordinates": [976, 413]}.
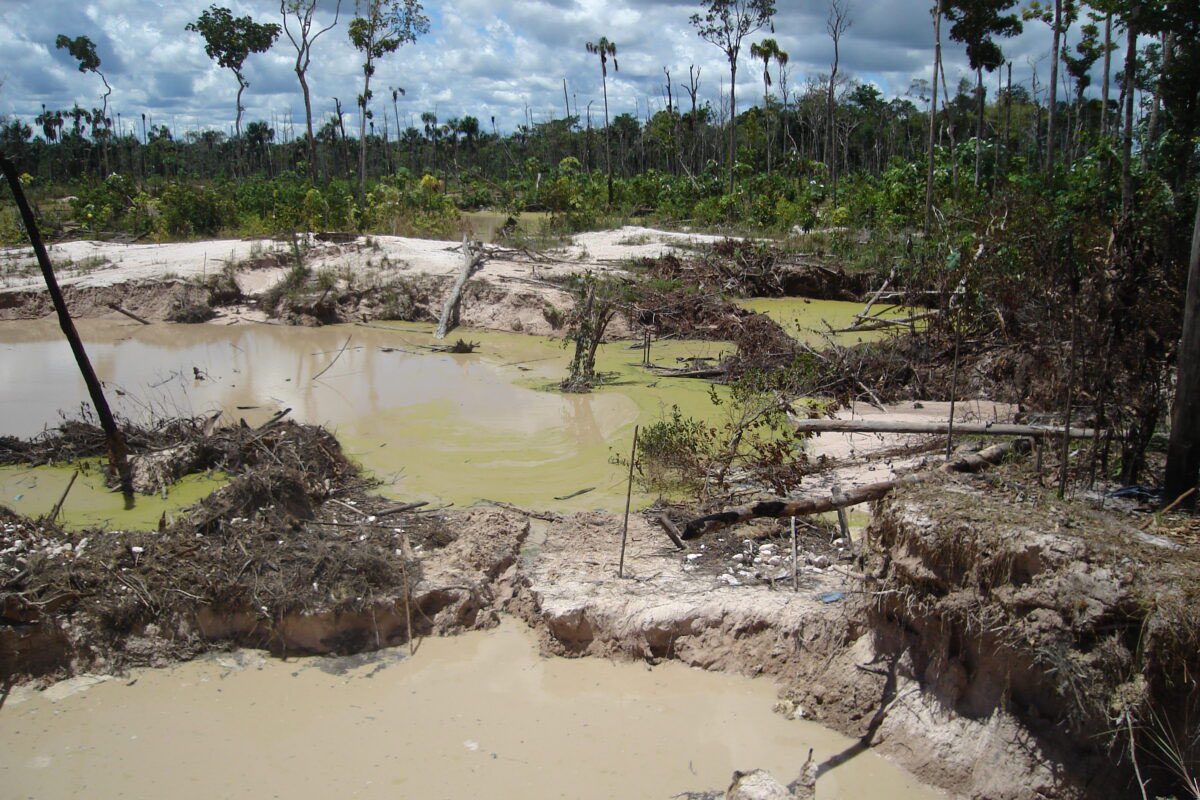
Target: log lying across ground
{"type": "Point", "coordinates": [967, 428]}
{"type": "Point", "coordinates": [972, 462]}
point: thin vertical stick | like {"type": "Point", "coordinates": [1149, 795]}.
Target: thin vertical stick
{"type": "Point", "coordinates": [628, 500]}
{"type": "Point", "coordinates": [795, 559]}
{"type": "Point", "coordinates": [843, 522]}
{"type": "Point", "coordinates": [58, 506]}
{"type": "Point", "coordinates": [405, 549]}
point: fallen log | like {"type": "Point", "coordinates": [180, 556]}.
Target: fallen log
{"type": "Point", "coordinates": [902, 426]}
{"type": "Point", "coordinates": [972, 462]}
{"type": "Point", "coordinates": [672, 531]}
{"type": "Point", "coordinates": [473, 258]}
{"type": "Point", "coordinates": [130, 314]}
{"type": "Point", "coordinates": [707, 372]}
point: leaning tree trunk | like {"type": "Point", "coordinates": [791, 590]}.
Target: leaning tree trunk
{"type": "Point", "coordinates": [118, 453]}
{"type": "Point", "coordinates": [311, 140]}
{"type": "Point", "coordinates": [1183, 450]}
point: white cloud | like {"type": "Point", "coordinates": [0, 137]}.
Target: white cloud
{"type": "Point", "coordinates": [481, 58]}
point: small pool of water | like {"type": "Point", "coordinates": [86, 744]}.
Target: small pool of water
{"type": "Point", "coordinates": [485, 225]}
{"type": "Point", "coordinates": [33, 491]}
{"type": "Point", "coordinates": [817, 321]}
{"type": "Point", "coordinates": [477, 715]}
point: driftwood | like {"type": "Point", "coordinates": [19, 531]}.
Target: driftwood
{"type": "Point", "coordinates": [130, 314]}
{"type": "Point", "coordinates": [972, 462]}
{"type": "Point", "coordinates": [704, 372]}
{"type": "Point", "coordinates": [900, 426]}
{"type": "Point", "coordinates": [473, 259]}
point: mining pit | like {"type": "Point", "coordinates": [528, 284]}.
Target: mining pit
{"type": "Point", "coordinates": [328, 494]}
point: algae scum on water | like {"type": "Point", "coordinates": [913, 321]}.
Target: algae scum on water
{"type": "Point", "coordinates": [433, 426]}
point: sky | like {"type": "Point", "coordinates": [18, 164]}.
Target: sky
{"type": "Point", "coordinates": [481, 57]}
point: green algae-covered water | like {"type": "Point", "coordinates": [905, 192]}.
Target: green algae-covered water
{"type": "Point", "coordinates": [33, 491]}
{"type": "Point", "coordinates": [816, 321]}
{"type": "Point", "coordinates": [447, 428]}
{"type": "Point", "coordinates": [432, 426]}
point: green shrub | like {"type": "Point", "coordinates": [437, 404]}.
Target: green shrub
{"type": "Point", "coordinates": [194, 210]}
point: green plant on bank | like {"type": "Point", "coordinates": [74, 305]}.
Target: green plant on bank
{"type": "Point", "coordinates": [751, 433]}
{"type": "Point", "coordinates": [401, 206]}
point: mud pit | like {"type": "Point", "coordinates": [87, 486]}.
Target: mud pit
{"type": "Point", "coordinates": [914, 686]}
{"type": "Point", "coordinates": [478, 715]}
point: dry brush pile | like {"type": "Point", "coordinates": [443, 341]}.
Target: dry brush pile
{"type": "Point", "coordinates": [292, 532]}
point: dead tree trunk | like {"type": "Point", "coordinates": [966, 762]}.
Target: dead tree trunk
{"type": "Point", "coordinates": [472, 260]}
{"type": "Point", "coordinates": [1183, 451]}
{"type": "Point", "coordinates": [860, 494]}
{"type": "Point", "coordinates": [118, 453]}
{"type": "Point", "coordinates": [901, 426]}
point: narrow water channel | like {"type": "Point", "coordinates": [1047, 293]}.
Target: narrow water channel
{"type": "Point", "coordinates": [473, 716]}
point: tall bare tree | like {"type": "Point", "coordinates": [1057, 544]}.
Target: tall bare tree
{"type": "Point", "coordinates": [303, 39]}
{"type": "Point", "coordinates": [83, 50]}
{"type": "Point", "coordinates": [380, 27]}
{"type": "Point", "coordinates": [1058, 14]}
{"type": "Point", "coordinates": [836, 23]}
{"type": "Point", "coordinates": [605, 49]}
{"type": "Point", "coordinates": [230, 40]}
{"type": "Point", "coordinates": [937, 65]}
{"type": "Point", "coordinates": [725, 23]}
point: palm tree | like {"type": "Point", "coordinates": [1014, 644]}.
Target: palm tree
{"type": "Point", "coordinates": [768, 50]}
{"type": "Point", "coordinates": [604, 48]}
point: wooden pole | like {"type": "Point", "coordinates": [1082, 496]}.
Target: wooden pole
{"type": "Point", "coordinates": [58, 506]}
{"type": "Point", "coordinates": [795, 559]}
{"type": "Point", "coordinates": [118, 452]}
{"type": "Point", "coordinates": [628, 501]}
{"type": "Point", "coordinates": [843, 523]}
{"type": "Point", "coordinates": [129, 314]}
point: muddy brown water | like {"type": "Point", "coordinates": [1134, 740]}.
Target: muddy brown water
{"type": "Point", "coordinates": [477, 715]}
{"type": "Point", "coordinates": [432, 426]}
